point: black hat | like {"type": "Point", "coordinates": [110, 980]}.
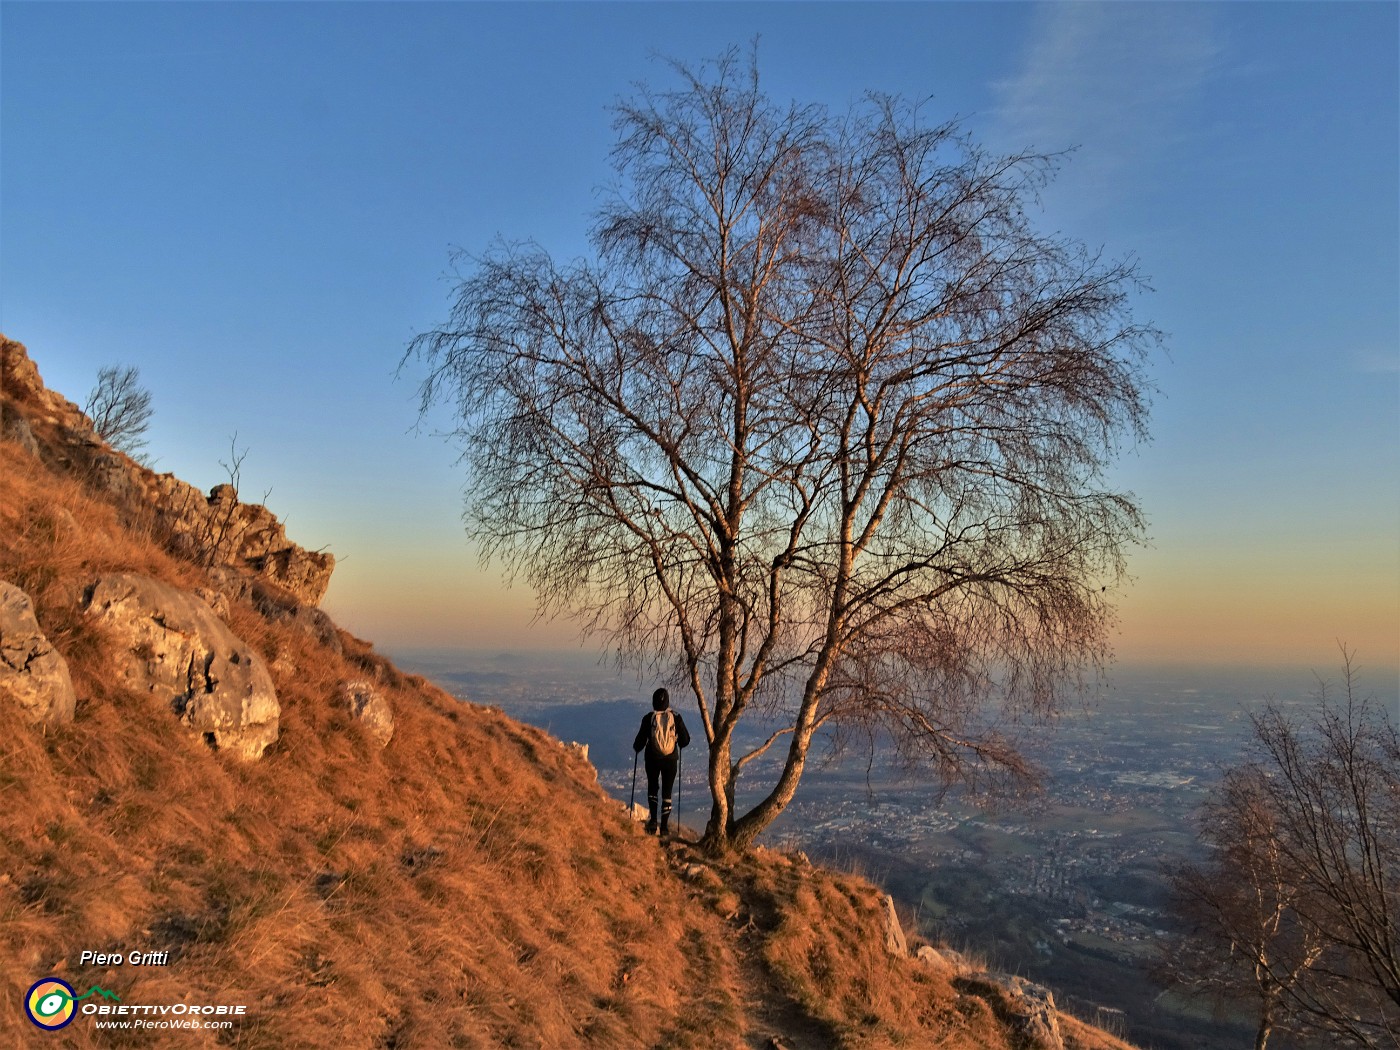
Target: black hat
{"type": "Point", "coordinates": [660, 700]}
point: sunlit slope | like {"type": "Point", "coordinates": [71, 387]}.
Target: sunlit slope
{"type": "Point", "coordinates": [466, 885]}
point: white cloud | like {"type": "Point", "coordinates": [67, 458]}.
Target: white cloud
{"type": "Point", "coordinates": [1122, 81]}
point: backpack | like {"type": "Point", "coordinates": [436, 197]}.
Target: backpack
{"type": "Point", "coordinates": [663, 732]}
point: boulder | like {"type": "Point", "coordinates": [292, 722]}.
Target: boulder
{"type": "Point", "coordinates": [16, 428]}
{"type": "Point", "coordinates": [277, 605]}
{"type": "Point", "coordinates": [368, 705]}
{"type": "Point", "coordinates": [1028, 1008]}
{"type": "Point", "coordinates": [955, 959]}
{"type": "Point", "coordinates": [32, 672]}
{"type": "Point", "coordinates": [943, 959]}
{"type": "Point", "coordinates": [173, 645]}
{"type": "Point", "coordinates": [895, 943]}
{"type": "Point", "coordinates": [315, 623]}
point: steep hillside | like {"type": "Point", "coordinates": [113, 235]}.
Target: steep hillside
{"type": "Point", "coordinates": [351, 855]}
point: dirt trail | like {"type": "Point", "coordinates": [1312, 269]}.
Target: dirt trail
{"type": "Point", "coordinates": [776, 1021]}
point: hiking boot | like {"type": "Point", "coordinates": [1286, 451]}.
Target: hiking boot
{"type": "Point", "coordinates": [665, 827]}
{"type": "Point", "coordinates": [651, 826]}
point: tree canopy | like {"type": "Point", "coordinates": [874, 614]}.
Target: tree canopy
{"type": "Point", "coordinates": [821, 427]}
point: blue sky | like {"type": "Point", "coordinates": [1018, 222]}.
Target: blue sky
{"type": "Point", "coordinates": [255, 203]}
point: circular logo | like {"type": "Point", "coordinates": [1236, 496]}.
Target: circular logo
{"type": "Point", "coordinates": [49, 1003]}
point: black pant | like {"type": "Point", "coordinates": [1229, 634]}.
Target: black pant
{"type": "Point", "coordinates": [663, 768]}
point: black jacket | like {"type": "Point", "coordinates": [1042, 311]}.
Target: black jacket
{"type": "Point", "coordinates": [644, 734]}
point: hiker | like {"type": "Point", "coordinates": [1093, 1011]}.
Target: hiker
{"type": "Point", "coordinates": [663, 734]}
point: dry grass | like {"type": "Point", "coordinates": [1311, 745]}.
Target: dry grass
{"type": "Point", "coordinates": [819, 939]}
{"type": "Point", "coordinates": [823, 945]}
{"type": "Point", "coordinates": [467, 886]}
{"type": "Point", "coordinates": [1080, 1035]}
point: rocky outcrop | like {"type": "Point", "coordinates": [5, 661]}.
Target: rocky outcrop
{"type": "Point", "coordinates": [14, 427]}
{"type": "Point", "coordinates": [580, 752]}
{"type": "Point", "coordinates": [215, 531]}
{"type": "Point", "coordinates": [277, 605]}
{"type": "Point", "coordinates": [20, 382]}
{"type": "Point", "coordinates": [32, 673]}
{"type": "Point", "coordinates": [219, 530]}
{"type": "Point", "coordinates": [371, 709]}
{"type": "Point", "coordinates": [895, 942]}
{"type": "Point", "coordinates": [1026, 1008]}
{"type": "Point", "coordinates": [173, 646]}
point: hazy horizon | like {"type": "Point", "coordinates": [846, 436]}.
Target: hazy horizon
{"type": "Point", "coordinates": [524, 667]}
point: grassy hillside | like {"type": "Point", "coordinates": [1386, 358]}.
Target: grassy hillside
{"type": "Point", "coordinates": [469, 885]}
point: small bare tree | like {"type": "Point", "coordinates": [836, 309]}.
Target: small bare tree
{"type": "Point", "coordinates": [1241, 940]}
{"type": "Point", "coordinates": [120, 409]}
{"type": "Point", "coordinates": [824, 423]}
{"type": "Point", "coordinates": [1298, 906]}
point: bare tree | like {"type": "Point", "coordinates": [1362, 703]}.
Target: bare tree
{"type": "Point", "coordinates": [822, 427]}
{"type": "Point", "coordinates": [120, 409]}
{"type": "Point", "coordinates": [1298, 906]}
{"type": "Point", "coordinates": [1241, 940]}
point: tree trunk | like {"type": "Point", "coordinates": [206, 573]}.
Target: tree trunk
{"type": "Point", "coordinates": [1269, 993]}
{"type": "Point", "coordinates": [716, 838]}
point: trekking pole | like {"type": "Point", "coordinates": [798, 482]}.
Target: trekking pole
{"type": "Point", "coordinates": [680, 765]}
{"type": "Point", "coordinates": [632, 803]}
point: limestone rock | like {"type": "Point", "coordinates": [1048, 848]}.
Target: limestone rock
{"type": "Point", "coordinates": [15, 427]}
{"type": "Point", "coordinates": [369, 706]}
{"type": "Point", "coordinates": [580, 751]}
{"type": "Point", "coordinates": [31, 670]}
{"type": "Point", "coordinates": [216, 600]}
{"type": "Point", "coordinates": [112, 472]}
{"type": "Point", "coordinates": [19, 378]}
{"type": "Point", "coordinates": [314, 622]}
{"type": "Point", "coordinates": [174, 646]}
{"type": "Point", "coordinates": [219, 531]}
{"type": "Point", "coordinates": [277, 605]}
{"type": "Point", "coordinates": [943, 959]}
{"type": "Point", "coordinates": [1029, 1007]}
{"type": "Point", "coordinates": [895, 943]}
